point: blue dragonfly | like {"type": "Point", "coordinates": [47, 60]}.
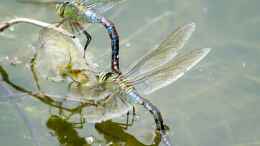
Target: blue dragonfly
{"type": "Point", "coordinates": [107, 95]}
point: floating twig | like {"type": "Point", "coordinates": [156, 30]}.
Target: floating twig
{"type": "Point", "coordinates": [6, 24]}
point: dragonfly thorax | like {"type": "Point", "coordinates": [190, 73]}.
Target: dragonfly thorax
{"type": "Point", "coordinates": [98, 88]}
{"type": "Point", "coordinates": [69, 10]}
{"type": "Point", "coordinates": [117, 79]}
{"type": "Point", "coordinates": [105, 77]}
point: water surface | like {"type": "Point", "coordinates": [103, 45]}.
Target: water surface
{"type": "Point", "coordinates": [215, 104]}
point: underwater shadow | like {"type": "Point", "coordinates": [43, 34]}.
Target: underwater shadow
{"type": "Point", "coordinates": [65, 130]}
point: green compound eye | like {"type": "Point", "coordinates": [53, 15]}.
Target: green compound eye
{"type": "Point", "coordinates": [66, 9]}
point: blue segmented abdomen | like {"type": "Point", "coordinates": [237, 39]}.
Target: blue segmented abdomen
{"type": "Point", "coordinates": [134, 97]}
{"type": "Point", "coordinates": [92, 17]}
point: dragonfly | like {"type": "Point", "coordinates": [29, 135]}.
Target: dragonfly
{"type": "Point", "coordinates": [76, 13]}
{"type": "Point", "coordinates": [109, 94]}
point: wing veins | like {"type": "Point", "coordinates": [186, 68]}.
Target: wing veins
{"type": "Point", "coordinates": [171, 71]}
{"type": "Point", "coordinates": [164, 53]}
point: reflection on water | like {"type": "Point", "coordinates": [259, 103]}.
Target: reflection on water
{"type": "Point", "coordinates": [215, 104]}
{"type": "Point", "coordinates": [66, 130]}
{"type": "Point", "coordinates": [113, 133]}
{"type": "Point", "coordinates": [116, 134]}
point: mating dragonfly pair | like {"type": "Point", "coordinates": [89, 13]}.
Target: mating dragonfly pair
{"type": "Point", "coordinates": [108, 94]}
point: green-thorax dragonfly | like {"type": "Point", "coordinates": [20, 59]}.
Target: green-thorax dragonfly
{"type": "Point", "coordinates": [78, 12]}
{"type": "Point", "coordinates": [111, 95]}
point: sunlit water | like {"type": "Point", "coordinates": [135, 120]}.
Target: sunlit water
{"type": "Point", "coordinates": [215, 104]}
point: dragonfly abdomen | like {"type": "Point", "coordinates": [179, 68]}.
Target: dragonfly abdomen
{"type": "Point", "coordinates": [92, 17]}
{"type": "Point", "coordinates": [111, 29]}
{"type": "Point", "coordinates": [133, 97]}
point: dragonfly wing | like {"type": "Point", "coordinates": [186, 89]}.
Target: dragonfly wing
{"type": "Point", "coordinates": [114, 106]}
{"type": "Point", "coordinates": [102, 6]}
{"type": "Point", "coordinates": [170, 72]}
{"type": "Point", "coordinates": [56, 49]}
{"type": "Point", "coordinates": [164, 53]}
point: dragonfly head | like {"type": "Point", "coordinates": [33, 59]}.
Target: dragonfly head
{"type": "Point", "coordinates": [67, 9]}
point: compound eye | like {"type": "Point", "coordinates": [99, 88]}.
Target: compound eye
{"type": "Point", "coordinates": [66, 2]}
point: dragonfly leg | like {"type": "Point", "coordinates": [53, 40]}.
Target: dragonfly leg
{"type": "Point", "coordinates": [111, 29]}
{"type": "Point", "coordinates": [79, 124]}
{"type": "Point", "coordinates": [133, 117]}
{"type": "Point", "coordinates": [89, 38]}
{"type": "Point", "coordinates": [127, 123]}
{"type": "Point", "coordinates": [127, 118]}
{"type": "Point", "coordinates": [134, 114]}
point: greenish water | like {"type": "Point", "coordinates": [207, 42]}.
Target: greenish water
{"type": "Point", "coordinates": [215, 104]}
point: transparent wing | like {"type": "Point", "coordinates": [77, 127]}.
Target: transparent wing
{"type": "Point", "coordinates": [102, 6]}
{"type": "Point", "coordinates": [101, 59]}
{"type": "Point", "coordinates": [164, 53]}
{"type": "Point", "coordinates": [113, 106]}
{"type": "Point", "coordinates": [55, 49]}
{"type": "Point", "coordinates": [170, 72]}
